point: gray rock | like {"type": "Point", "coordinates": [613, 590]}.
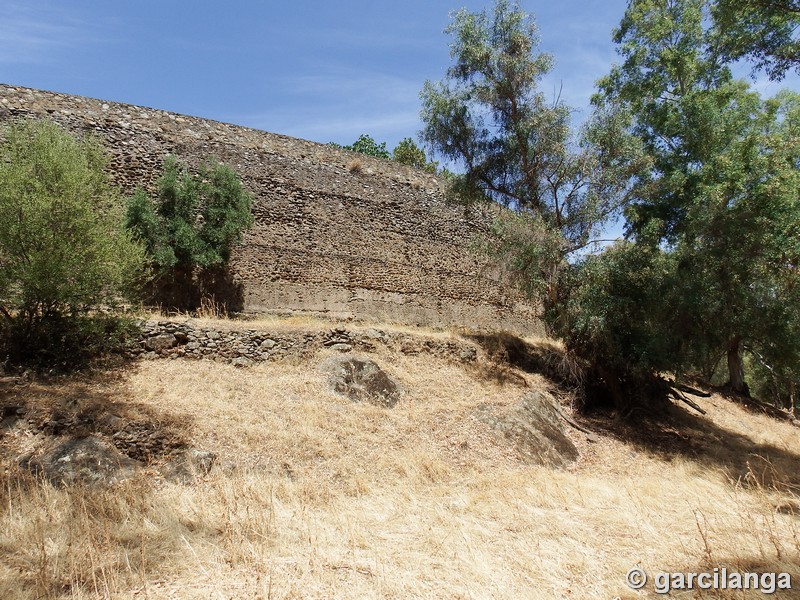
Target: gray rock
{"type": "Point", "coordinates": [161, 342]}
{"type": "Point", "coordinates": [268, 344]}
{"type": "Point", "coordinates": [468, 354]}
{"type": "Point", "coordinates": [361, 379]}
{"type": "Point", "coordinates": [341, 347]}
{"type": "Point", "coordinates": [89, 460]}
{"type": "Point", "coordinates": [213, 335]}
{"type": "Point", "coordinates": [374, 334]}
{"type": "Point", "coordinates": [241, 361]}
{"type": "Point", "coordinates": [535, 428]}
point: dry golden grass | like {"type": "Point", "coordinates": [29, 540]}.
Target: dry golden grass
{"type": "Point", "coordinates": [317, 497]}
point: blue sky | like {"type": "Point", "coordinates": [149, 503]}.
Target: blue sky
{"type": "Point", "coordinates": [324, 71]}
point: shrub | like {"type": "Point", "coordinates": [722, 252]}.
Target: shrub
{"type": "Point", "coordinates": [193, 224]}
{"type": "Point", "coordinates": [64, 252]}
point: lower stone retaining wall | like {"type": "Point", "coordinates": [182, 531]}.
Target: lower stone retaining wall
{"type": "Point", "coordinates": [245, 347]}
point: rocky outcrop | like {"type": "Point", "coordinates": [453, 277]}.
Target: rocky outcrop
{"type": "Point", "coordinates": [534, 427]}
{"type": "Point", "coordinates": [380, 242]}
{"type": "Point", "coordinates": [361, 380]}
{"type": "Point", "coordinates": [88, 461]}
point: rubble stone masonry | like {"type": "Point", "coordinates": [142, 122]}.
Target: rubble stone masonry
{"type": "Point", "coordinates": [335, 233]}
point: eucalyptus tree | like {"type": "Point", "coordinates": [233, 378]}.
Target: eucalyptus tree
{"type": "Point", "coordinates": [516, 146]}
{"type": "Point", "coordinates": [723, 186]}
{"type": "Point", "coordinates": [765, 32]}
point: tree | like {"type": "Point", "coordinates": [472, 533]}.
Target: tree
{"type": "Point", "coordinates": [764, 32]}
{"type": "Point", "coordinates": [195, 221]}
{"type": "Point", "coordinates": [63, 250]}
{"type": "Point", "coordinates": [620, 317]}
{"type": "Point", "coordinates": [516, 146]}
{"type": "Point", "coordinates": [517, 149]}
{"type": "Point", "coordinates": [723, 183]}
{"type": "Point", "coordinates": [365, 144]}
{"type": "Point", "coordinates": [408, 153]}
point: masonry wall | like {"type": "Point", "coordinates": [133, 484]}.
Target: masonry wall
{"type": "Point", "coordinates": [375, 243]}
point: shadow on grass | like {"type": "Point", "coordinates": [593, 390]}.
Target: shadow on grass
{"type": "Point", "coordinates": [669, 431]}
{"type": "Point", "coordinates": [97, 402]}
{"type": "Point", "coordinates": [505, 350]}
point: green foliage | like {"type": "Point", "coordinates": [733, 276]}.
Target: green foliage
{"type": "Point", "coordinates": [365, 144]}
{"type": "Point", "coordinates": [517, 149]}
{"type": "Point", "coordinates": [196, 219]}
{"type": "Point", "coordinates": [408, 153]}
{"type": "Point", "coordinates": [722, 193]}
{"type": "Point", "coordinates": [515, 145]}
{"type": "Point", "coordinates": [708, 173]}
{"type": "Point", "coordinates": [618, 315]}
{"type": "Point", "coordinates": [762, 31]}
{"type": "Point", "coordinates": [63, 249]}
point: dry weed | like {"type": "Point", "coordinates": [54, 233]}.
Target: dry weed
{"type": "Point", "coordinates": [318, 497]}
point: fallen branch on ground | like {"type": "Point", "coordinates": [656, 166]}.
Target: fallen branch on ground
{"type": "Point", "coordinates": [678, 395]}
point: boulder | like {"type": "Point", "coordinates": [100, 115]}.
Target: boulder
{"type": "Point", "coordinates": [535, 428]}
{"type": "Point", "coordinates": [88, 460]}
{"type": "Point", "coordinates": [361, 380]}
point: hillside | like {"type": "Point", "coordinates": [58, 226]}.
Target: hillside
{"type": "Point", "coordinates": [312, 495]}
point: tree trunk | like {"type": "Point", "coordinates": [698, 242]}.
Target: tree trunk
{"type": "Point", "coordinates": [736, 367]}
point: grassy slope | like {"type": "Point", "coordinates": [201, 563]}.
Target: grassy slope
{"type": "Point", "coordinates": [314, 496]}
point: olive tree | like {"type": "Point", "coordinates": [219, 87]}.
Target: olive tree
{"type": "Point", "coordinates": [64, 252]}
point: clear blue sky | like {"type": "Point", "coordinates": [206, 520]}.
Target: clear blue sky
{"type": "Point", "coordinates": [320, 70]}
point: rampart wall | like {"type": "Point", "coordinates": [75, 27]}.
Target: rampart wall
{"type": "Point", "coordinates": [377, 243]}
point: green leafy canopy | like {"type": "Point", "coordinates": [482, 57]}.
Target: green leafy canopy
{"type": "Point", "coordinates": [63, 249]}
{"type": "Point", "coordinates": [195, 220]}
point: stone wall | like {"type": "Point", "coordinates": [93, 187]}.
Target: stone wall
{"type": "Point", "coordinates": [336, 233]}
{"type": "Point", "coordinates": [245, 347]}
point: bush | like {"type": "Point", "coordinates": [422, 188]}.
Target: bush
{"type": "Point", "coordinates": [64, 252]}
{"type": "Point", "coordinates": [65, 342]}
{"type": "Point", "coordinates": [196, 219]}
{"type": "Point", "coordinates": [619, 318]}
{"type": "Point", "coordinates": [191, 227]}
{"type": "Point", "coordinates": [365, 144]}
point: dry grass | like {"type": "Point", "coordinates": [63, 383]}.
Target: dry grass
{"type": "Point", "coordinates": [317, 497]}
{"type": "Point", "coordinates": [355, 166]}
